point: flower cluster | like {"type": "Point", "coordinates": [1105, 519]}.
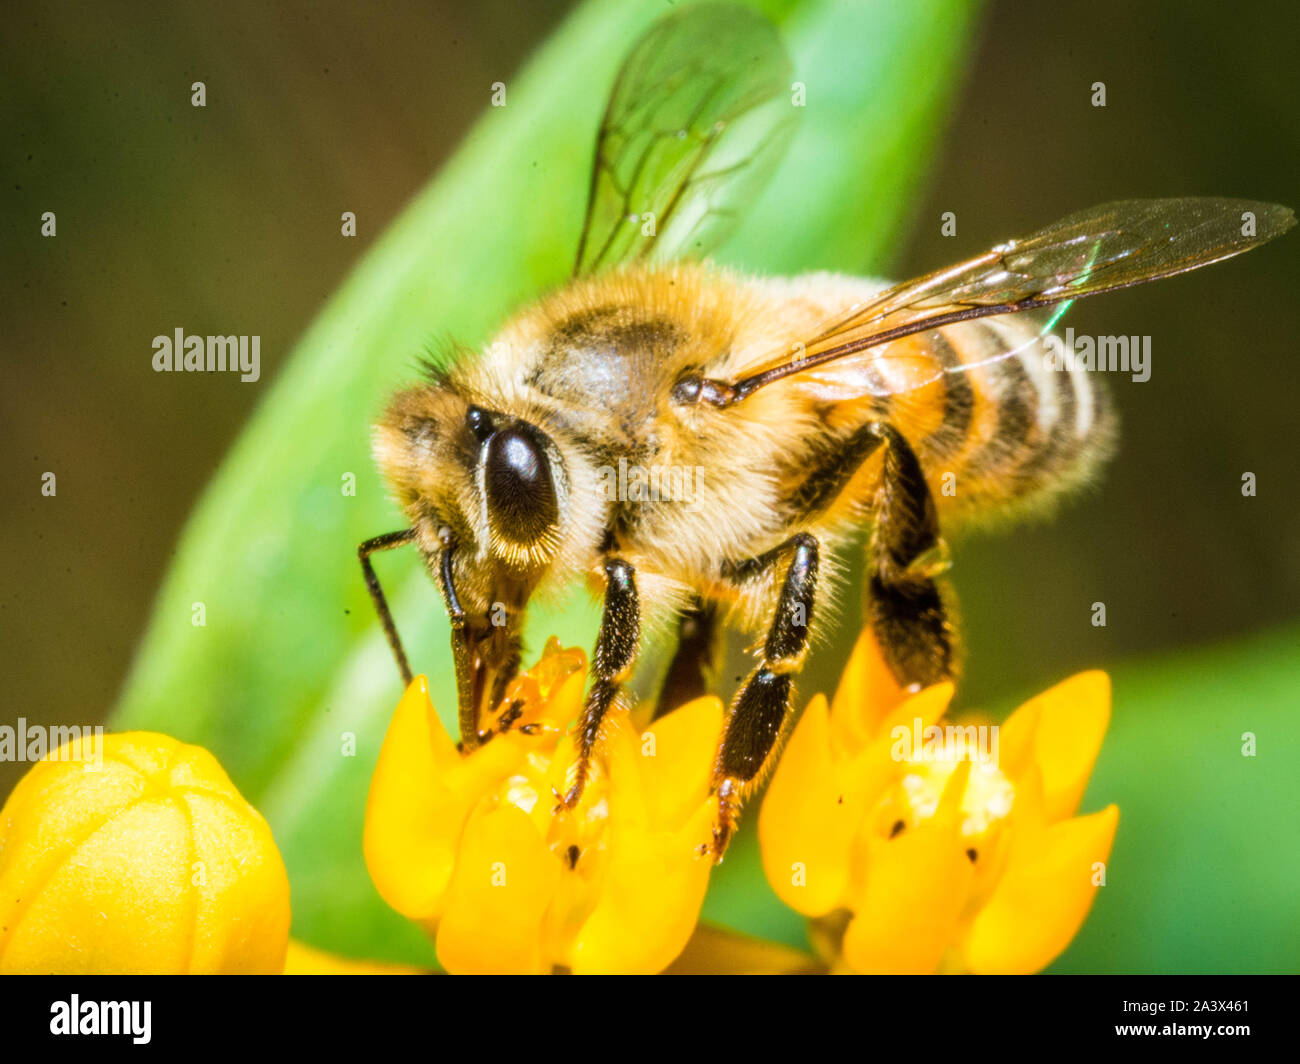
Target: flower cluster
{"type": "Point", "coordinates": [909, 843]}
{"type": "Point", "coordinates": [912, 850]}
{"type": "Point", "coordinates": [474, 847]}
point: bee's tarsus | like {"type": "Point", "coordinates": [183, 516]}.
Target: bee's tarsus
{"type": "Point", "coordinates": [615, 653]}
{"type": "Point", "coordinates": [758, 712]}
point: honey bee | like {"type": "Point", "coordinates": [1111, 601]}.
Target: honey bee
{"type": "Point", "coordinates": [806, 410]}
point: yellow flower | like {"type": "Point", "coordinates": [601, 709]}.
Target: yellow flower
{"type": "Point", "coordinates": [140, 857]}
{"type": "Point", "coordinates": [472, 845]}
{"type": "Point", "coordinates": [915, 847]}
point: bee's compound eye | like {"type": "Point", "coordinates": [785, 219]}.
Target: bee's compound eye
{"type": "Point", "coordinates": [520, 492]}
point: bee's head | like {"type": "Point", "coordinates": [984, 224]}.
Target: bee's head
{"type": "Point", "coordinates": [486, 493]}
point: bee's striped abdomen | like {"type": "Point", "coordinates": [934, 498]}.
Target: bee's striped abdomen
{"type": "Point", "coordinates": [1015, 430]}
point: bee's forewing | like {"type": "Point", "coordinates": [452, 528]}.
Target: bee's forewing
{"type": "Point", "coordinates": [1112, 246]}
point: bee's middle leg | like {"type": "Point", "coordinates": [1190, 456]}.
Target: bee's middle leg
{"type": "Point", "coordinates": [688, 673]}
{"type": "Point", "coordinates": [758, 712]}
{"type": "Point", "coordinates": [615, 653]}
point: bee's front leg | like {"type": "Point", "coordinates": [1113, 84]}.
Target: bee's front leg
{"type": "Point", "coordinates": [369, 547]}
{"type": "Point", "coordinates": [758, 712]}
{"type": "Point", "coordinates": [615, 653]}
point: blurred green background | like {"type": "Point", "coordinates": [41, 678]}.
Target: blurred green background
{"type": "Point", "coordinates": [226, 220]}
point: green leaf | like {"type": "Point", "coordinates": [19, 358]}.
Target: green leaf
{"type": "Point", "coordinates": [1206, 861]}
{"type": "Point", "coordinates": [291, 661]}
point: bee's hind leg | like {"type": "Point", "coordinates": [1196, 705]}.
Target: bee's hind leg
{"type": "Point", "coordinates": [906, 608]}
{"type": "Point", "coordinates": [906, 605]}
{"type": "Point", "coordinates": [758, 712]}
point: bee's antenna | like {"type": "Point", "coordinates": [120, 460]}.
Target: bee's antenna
{"type": "Point", "coordinates": [386, 542]}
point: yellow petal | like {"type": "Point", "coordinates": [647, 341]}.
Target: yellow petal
{"type": "Point", "coordinates": [650, 898]}
{"type": "Point", "coordinates": [676, 754]}
{"type": "Point", "coordinates": [626, 764]}
{"type": "Point", "coordinates": [903, 727]}
{"type": "Point", "coordinates": [411, 827]}
{"type": "Point", "coordinates": [915, 890]}
{"type": "Point", "coordinates": [565, 683]}
{"type": "Point", "coordinates": [1062, 731]}
{"type": "Point", "coordinates": [1043, 897]}
{"type": "Point", "coordinates": [150, 862]}
{"type": "Point", "coordinates": [866, 694]}
{"type": "Point", "coordinates": [948, 815]}
{"type": "Point", "coordinates": [504, 879]}
{"type": "Point", "coordinates": [804, 829]}
{"type": "Point", "coordinates": [237, 908]}
{"type": "Point", "coordinates": [420, 795]}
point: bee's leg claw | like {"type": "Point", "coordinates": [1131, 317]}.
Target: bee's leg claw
{"type": "Point", "coordinates": [573, 797]}
{"type": "Point", "coordinates": [721, 836]}
{"type": "Point", "coordinates": [567, 801]}
{"type": "Point", "coordinates": [728, 794]}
